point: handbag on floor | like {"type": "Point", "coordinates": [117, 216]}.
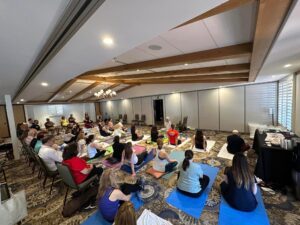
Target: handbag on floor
{"type": "Point", "coordinates": [14, 209]}
{"type": "Point", "coordinates": [79, 202]}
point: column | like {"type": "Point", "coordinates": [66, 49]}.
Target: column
{"type": "Point", "coordinates": [12, 126]}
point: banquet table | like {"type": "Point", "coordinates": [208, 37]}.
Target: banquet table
{"type": "Point", "coordinates": [274, 164]}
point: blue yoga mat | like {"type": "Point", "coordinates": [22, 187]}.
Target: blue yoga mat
{"type": "Point", "coordinates": [127, 168]}
{"type": "Point", "coordinates": [97, 218]}
{"type": "Point", "coordinates": [189, 205]}
{"type": "Point", "coordinates": [179, 157]}
{"type": "Point", "coordinates": [231, 216]}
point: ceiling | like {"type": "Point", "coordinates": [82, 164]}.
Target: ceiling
{"type": "Point", "coordinates": [285, 50]}
{"type": "Point", "coordinates": [25, 26]}
{"type": "Point", "coordinates": [85, 52]}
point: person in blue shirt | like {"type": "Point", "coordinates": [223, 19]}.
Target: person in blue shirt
{"type": "Point", "coordinates": [239, 187]}
{"type": "Point", "coordinates": [191, 180]}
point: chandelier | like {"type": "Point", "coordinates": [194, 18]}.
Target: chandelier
{"type": "Point", "coordinates": [105, 94]}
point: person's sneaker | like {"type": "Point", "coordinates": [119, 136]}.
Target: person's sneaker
{"type": "Point", "coordinates": [90, 206]}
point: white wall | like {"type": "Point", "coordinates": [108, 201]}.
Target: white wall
{"type": "Point", "coordinates": [297, 107]}
{"type": "Point", "coordinates": [215, 109]}
{"type": "Point", "coordinates": [41, 112]}
{"type": "Point", "coordinates": [208, 105]}
{"type": "Point", "coordinates": [232, 108]}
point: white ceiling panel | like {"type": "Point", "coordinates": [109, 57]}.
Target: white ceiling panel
{"type": "Point", "coordinates": [118, 19]}
{"type": "Point", "coordinates": [233, 27]}
{"type": "Point", "coordinates": [166, 48]}
{"type": "Point", "coordinates": [238, 60]}
{"type": "Point", "coordinates": [191, 66]}
{"type": "Point", "coordinates": [190, 38]}
{"type": "Point", "coordinates": [25, 26]}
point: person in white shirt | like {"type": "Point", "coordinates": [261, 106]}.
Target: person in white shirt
{"type": "Point", "coordinates": [168, 123]}
{"type": "Point", "coordinates": [162, 161]}
{"type": "Point", "coordinates": [94, 148]}
{"type": "Point", "coordinates": [81, 143]}
{"type": "Point", "coordinates": [49, 153]}
{"type": "Point", "coordinates": [118, 130]}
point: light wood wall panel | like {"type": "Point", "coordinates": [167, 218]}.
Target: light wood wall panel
{"type": "Point", "coordinates": [208, 103]}
{"type": "Point", "coordinates": [173, 107]}
{"type": "Point", "coordinates": [232, 108]}
{"type": "Point", "coordinates": [147, 109]}
{"type": "Point", "coordinates": [189, 108]}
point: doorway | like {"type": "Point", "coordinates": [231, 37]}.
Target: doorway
{"type": "Point", "coordinates": [158, 106]}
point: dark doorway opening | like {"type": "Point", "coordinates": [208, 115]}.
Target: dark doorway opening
{"type": "Point", "coordinates": [158, 111]}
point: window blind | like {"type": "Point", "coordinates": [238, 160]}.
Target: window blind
{"type": "Point", "coordinates": [285, 102]}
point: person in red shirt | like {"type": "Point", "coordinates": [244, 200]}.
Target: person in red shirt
{"type": "Point", "coordinates": [173, 135]}
{"type": "Point", "coordinates": [80, 170]}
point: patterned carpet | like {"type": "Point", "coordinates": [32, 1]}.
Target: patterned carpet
{"type": "Point", "coordinates": [45, 209]}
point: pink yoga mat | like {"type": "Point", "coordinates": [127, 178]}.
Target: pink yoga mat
{"type": "Point", "coordinates": [139, 149]}
{"type": "Point", "coordinates": [109, 165]}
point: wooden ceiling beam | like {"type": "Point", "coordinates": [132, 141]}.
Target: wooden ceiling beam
{"type": "Point", "coordinates": [62, 88]}
{"type": "Point", "coordinates": [125, 88]}
{"type": "Point", "coordinates": [90, 87]}
{"type": "Point", "coordinates": [200, 77]}
{"type": "Point", "coordinates": [244, 79]}
{"type": "Point", "coordinates": [229, 52]}
{"type": "Point", "coordinates": [110, 87]}
{"type": "Point", "coordinates": [196, 71]}
{"type": "Point", "coordinates": [229, 5]}
{"type": "Point", "coordinates": [270, 17]}
{"type": "Point", "coordinates": [183, 78]}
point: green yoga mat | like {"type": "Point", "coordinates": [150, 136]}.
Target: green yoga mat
{"type": "Point", "coordinates": [109, 150]}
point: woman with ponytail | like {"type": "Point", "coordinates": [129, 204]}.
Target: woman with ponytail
{"type": "Point", "coordinates": [239, 187]}
{"type": "Point", "coordinates": [191, 180]}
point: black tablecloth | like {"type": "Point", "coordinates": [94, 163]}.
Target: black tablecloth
{"type": "Point", "coordinates": [274, 164]}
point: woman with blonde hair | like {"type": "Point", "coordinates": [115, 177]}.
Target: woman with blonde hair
{"type": "Point", "coordinates": [126, 215]}
{"type": "Point", "coordinates": [81, 143]}
{"type": "Point", "coordinates": [111, 194]}
{"type": "Point", "coordinates": [239, 187]}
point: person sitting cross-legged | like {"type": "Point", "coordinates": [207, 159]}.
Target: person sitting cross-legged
{"type": "Point", "coordinates": [173, 135]}
{"type": "Point", "coordinates": [94, 148]}
{"type": "Point", "coordinates": [162, 162]}
{"type": "Point", "coordinates": [191, 180]}
{"type": "Point", "coordinates": [130, 158]}
{"type": "Point", "coordinates": [235, 143]}
{"type": "Point", "coordinates": [239, 187]}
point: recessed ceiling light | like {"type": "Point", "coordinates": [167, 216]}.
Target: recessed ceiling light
{"type": "Point", "coordinates": [108, 41]}
{"type": "Point", "coordinates": [155, 47]}
{"type": "Point", "coordinates": [22, 100]}
{"type": "Point", "coordinates": [137, 70]}
{"type": "Point", "coordinates": [18, 102]}
{"type": "Point", "coordinates": [287, 65]}
{"type": "Point", "coordinates": [44, 84]}
{"type": "Point", "coordinates": [186, 64]}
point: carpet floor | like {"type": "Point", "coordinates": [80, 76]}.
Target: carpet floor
{"type": "Point", "coordinates": [46, 209]}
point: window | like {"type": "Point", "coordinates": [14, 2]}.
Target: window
{"type": "Point", "coordinates": [285, 102]}
{"type": "Point", "coordinates": [55, 110]}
